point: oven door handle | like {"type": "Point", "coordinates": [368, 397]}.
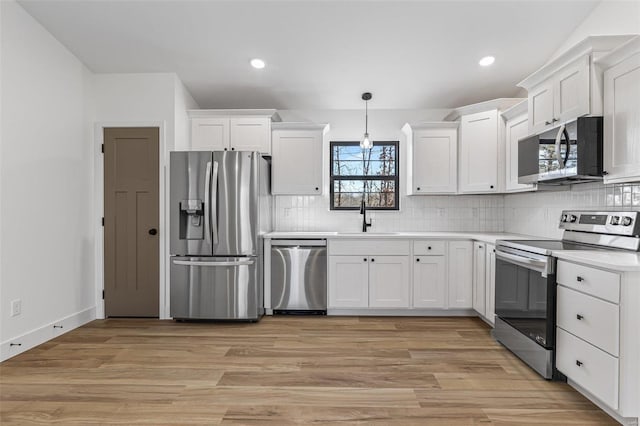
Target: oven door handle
{"type": "Point", "coordinates": [533, 264]}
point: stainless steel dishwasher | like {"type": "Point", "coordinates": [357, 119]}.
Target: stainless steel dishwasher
{"type": "Point", "coordinates": [299, 276]}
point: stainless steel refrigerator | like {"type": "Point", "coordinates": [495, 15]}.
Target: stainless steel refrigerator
{"type": "Point", "coordinates": [220, 208]}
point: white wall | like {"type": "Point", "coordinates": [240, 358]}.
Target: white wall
{"type": "Point", "coordinates": [608, 17]}
{"type": "Point", "coordinates": [182, 103]}
{"type": "Point", "coordinates": [46, 176]}
{"type": "Point", "coordinates": [417, 213]}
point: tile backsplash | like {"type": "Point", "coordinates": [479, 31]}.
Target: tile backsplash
{"type": "Point", "coordinates": [537, 213]}
{"type": "Point", "coordinates": [532, 213]}
{"type": "Point", "coordinates": [417, 213]}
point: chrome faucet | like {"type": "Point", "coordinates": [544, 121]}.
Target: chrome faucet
{"type": "Point", "coordinates": [363, 212]}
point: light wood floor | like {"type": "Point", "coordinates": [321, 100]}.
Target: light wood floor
{"type": "Point", "coordinates": [283, 370]}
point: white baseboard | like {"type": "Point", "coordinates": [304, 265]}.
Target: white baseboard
{"type": "Point", "coordinates": [26, 341]}
{"type": "Point", "coordinates": [626, 421]}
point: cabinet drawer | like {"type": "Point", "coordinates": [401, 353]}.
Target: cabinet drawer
{"type": "Point", "coordinates": [591, 319]}
{"type": "Point", "coordinates": [588, 366]}
{"type": "Point", "coordinates": [369, 247]}
{"type": "Point", "coordinates": [602, 284]}
{"type": "Point", "coordinates": [429, 248]}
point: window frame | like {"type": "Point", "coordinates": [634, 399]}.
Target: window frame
{"type": "Point", "coordinates": [395, 178]}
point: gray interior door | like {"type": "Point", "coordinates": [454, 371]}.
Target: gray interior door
{"type": "Point", "coordinates": [131, 213]}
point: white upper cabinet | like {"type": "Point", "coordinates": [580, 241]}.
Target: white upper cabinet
{"type": "Point", "coordinates": [296, 163]}
{"type": "Point", "coordinates": [235, 130]}
{"type": "Point", "coordinates": [622, 113]}
{"type": "Point", "coordinates": [209, 134]}
{"type": "Point", "coordinates": [516, 127]}
{"type": "Point", "coordinates": [479, 152]}
{"type": "Point", "coordinates": [433, 158]}
{"type": "Point", "coordinates": [568, 86]}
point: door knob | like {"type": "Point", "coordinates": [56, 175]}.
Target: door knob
{"type": "Point", "coordinates": [153, 231]}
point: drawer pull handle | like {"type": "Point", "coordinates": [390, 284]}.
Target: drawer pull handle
{"type": "Point", "coordinates": [579, 279]}
{"type": "Point", "coordinates": [579, 317]}
{"type": "Point", "coordinates": [579, 363]}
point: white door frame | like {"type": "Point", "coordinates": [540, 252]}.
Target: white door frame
{"type": "Point", "coordinates": [99, 212]}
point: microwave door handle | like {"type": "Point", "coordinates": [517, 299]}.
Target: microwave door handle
{"type": "Point", "coordinates": [567, 151]}
{"type": "Point", "coordinates": [207, 206]}
{"type": "Point", "coordinates": [533, 264]}
{"type": "Point", "coordinates": [213, 217]}
{"type": "Point", "coordinates": [558, 153]}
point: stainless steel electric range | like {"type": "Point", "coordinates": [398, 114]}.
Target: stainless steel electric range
{"type": "Point", "coordinates": [526, 281]}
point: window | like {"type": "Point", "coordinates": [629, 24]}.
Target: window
{"type": "Point", "coordinates": [357, 172]}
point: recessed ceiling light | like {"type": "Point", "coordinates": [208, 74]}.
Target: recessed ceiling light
{"type": "Point", "coordinates": [487, 60]}
{"type": "Point", "coordinates": [257, 63]}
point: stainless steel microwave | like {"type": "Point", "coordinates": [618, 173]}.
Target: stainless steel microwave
{"type": "Point", "coordinates": [570, 153]}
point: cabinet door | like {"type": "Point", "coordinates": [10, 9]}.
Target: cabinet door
{"type": "Point", "coordinates": [296, 164]}
{"type": "Point", "coordinates": [460, 274]}
{"type": "Point", "coordinates": [429, 282]}
{"type": "Point", "coordinates": [389, 282]}
{"type": "Point", "coordinates": [209, 134]}
{"type": "Point", "coordinates": [540, 105]}
{"type": "Point", "coordinates": [571, 91]}
{"type": "Point", "coordinates": [516, 128]}
{"type": "Point", "coordinates": [250, 134]}
{"type": "Point", "coordinates": [348, 282]}
{"type": "Point", "coordinates": [490, 283]}
{"type": "Point", "coordinates": [622, 121]}
{"type": "Point", "coordinates": [434, 162]}
{"type": "Point", "coordinates": [479, 278]}
{"type": "Point", "coordinates": [479, 152]}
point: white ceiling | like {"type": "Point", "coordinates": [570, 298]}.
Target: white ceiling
{"type": "Point", "coordinates": [319, 54]}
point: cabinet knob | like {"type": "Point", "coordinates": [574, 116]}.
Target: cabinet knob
{"type": "Point", "coordinates": [578, 363]}
{"type": "Point", "coordinates": [546, 123]}
{"type": "Point", "coordinates": [491, 186]}
{"type": "Point", "coordinates": [579, 317]}
{"type": "Point", "coordinates": [554, 120]}
{"type": "Point", "coordinates": [604, 172]}
{"type": "Point", "coordinates": [225, 149]}
{"type": "Point", "coordinates": [317, 188]}
{"type": "Point", "coordinates": [429, 248]}
{"type": "Point", "coordinates": [579, 279]}
{"type": "Point", "coordinates": [233, 149]}
{"type": "Point", "coordinates": [365, 259]}
{"type": "Point", "coordinates": [373, 260]}
{"type": "Point", "coordinates": [418, 260]}
{"type": "Point", "coordinates": [418, 189]}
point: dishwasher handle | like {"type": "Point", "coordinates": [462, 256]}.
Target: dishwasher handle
{"type": "Point", "coordinates": [298, 243]}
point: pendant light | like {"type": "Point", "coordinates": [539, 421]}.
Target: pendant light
{"type": "Point", "coordinates": [366, 142]}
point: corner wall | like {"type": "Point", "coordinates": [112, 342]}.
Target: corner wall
{"type": "Point", "coordinates": [46, 177]}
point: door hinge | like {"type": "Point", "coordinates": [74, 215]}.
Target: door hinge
{"type": "Point", "coordinates": [102, 148]}
{"type": "Point", "coordinates": [102, 294]}
{"type": "Point", "coordinates": [103, 221]}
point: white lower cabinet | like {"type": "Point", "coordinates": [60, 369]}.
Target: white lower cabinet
{"type": "Point", "coordinates": [389, 282]}
{"type": "Point", "coordinates": [597, 338]}
{"type": "Point", "coordinates": [429, 282]}
{"type": "Point", "coordinates": [348, 282]}
{"type": "Point", "coordinates": [460, 274]}
{"type": "Point", "coordinates": [484, 280]}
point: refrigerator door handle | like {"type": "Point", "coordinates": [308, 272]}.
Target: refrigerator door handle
{"type": "Point", "coordinates": [243, 262]}
{"type": "Point", "coordinates": [213, 217]}
{"type": "Point", "coordinates": [207, 206]}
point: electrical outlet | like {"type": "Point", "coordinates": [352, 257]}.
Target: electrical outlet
{"type": "Point", "coordinates": [16, 307]}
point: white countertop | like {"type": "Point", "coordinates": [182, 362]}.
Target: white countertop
{"type": "Point", "coordinates": [487, 237]}
{"type": "Point", "coordinates": [614, 260]}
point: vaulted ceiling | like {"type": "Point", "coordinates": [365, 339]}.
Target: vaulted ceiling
{"type": "Point", "coordinates": [319, 54]}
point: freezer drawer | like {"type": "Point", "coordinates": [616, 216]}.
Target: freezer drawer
{"type": "Point", "coordinates": [216, 288]}
{"type": "Point", "coordinates": [299, 275]}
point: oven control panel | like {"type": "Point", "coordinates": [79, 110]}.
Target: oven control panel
{"type": "Point", "coordinates": [614, 222]}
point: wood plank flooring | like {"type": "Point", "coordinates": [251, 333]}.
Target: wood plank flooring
{"type": "Point", "coordinates": [283, 370]}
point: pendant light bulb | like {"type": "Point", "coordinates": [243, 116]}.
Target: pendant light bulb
{"type": "Point", "coordinates": [366, 142]}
